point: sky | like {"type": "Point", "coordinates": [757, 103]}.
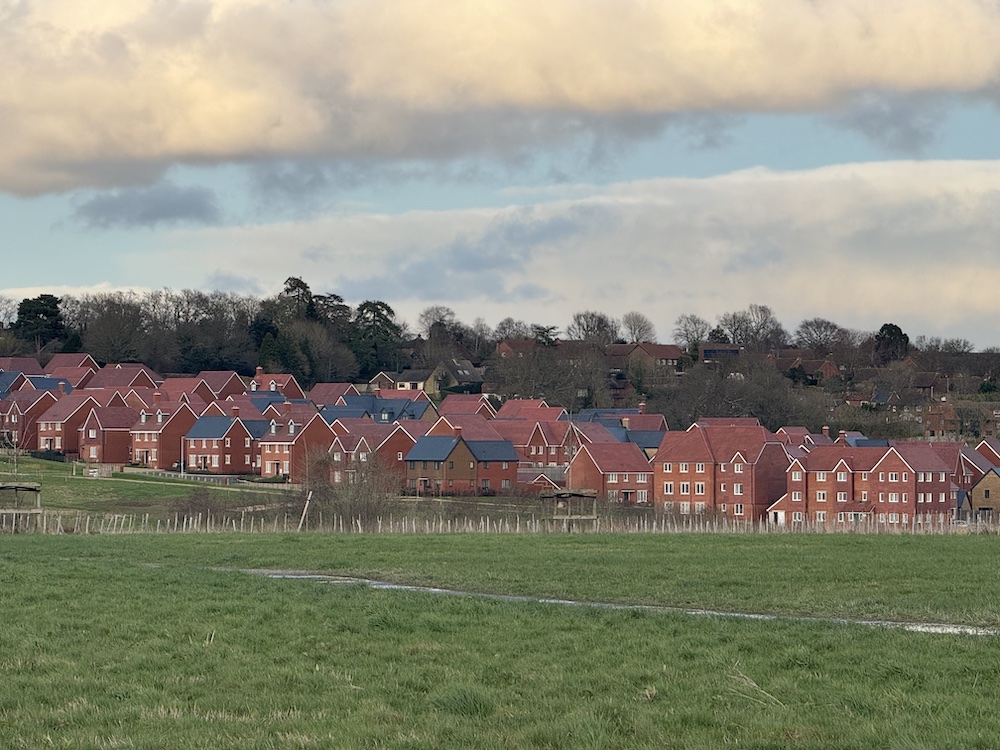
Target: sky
{"type": "Point", "coordinates": [513, 158]}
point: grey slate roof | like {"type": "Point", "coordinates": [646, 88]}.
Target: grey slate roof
{"type": "Point", "coordinates": [215, 428]}
{"type": "Point", "coordinates": [492, 450]}
{"type": "Point", "coordinates": [431, 448]}
{"type": "Point", "coordinates": [45, 383]}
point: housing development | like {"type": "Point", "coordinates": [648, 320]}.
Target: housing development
{"type": "Point", "coordinates": [267, 426]}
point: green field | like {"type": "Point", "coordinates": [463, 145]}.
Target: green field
{"type": "Point", "coordinates": [66, 486]}
{"type": "Point", "coordinates": [157, 641]}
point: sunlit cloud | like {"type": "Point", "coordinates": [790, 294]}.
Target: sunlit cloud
{"type": "Point", "coordinates": [112, 95]}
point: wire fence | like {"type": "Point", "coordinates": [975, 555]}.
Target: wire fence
{"type": "Point", "coordinates": [36, 521]}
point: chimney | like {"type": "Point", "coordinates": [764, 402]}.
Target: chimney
{"type": "Point", "coordinates": [286, 407]}
{"type": "Point", "coordinates": [156, 397]}
{"type": "Point", "coordinates": [826, 430]}
{"type": "Point", "coordinates": [260, 371]}
{"type": "Point", "coordinates": [842, 434]}
{"type": "Point", "coordinates": [61, 388]}
{"type": "Point", "coordinates": [457, 431]}
{"type": "Point", "coordinates": [235, 411]}
{"type": "Point", "coordinates": [642, 407]}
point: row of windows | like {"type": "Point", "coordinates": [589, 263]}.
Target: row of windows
{"type": "Point", "coordinates": [641, 496]}
{"type": "Point", "coordinates": [699, 468]}
{"type": "Point", "coordinates": [639, 478]}
{"type": "Point", "coordinates": [684, 508]}
{"type": "Point", "coordinates": [451, 464]}
{"type": "Point", "coordinates": [194, 461]}
{"type": "Point", "coordinates": [699, 488]}
{"type": "Point", "coordinates": [215, 443]}
{"type": "Point", "coordinates": [894, 476]}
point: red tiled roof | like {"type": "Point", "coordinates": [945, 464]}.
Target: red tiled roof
{"type": "Point", "coordinates": [617, 457]}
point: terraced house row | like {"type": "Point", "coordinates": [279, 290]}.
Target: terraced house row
{"type": "Point", "coordinates": [266, 425]}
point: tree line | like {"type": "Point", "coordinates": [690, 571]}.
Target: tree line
{"type": "Point", "coordinates": [318, 337]}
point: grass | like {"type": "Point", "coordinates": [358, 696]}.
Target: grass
{"type": "Point", "coordinates": [150, 642]}
{"type": "Point", "coordinates": [65, 487]}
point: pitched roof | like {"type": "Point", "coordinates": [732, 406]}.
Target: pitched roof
{"type": "Point", "coordinates": [429, 448]}
{"type": "Point", "coordinates": [122, 375]}
{"type": "Point", "coordinates": [71, 360]}
{"type": "Point", "coordinates": [114, 417]}
{"type": "Point", "coordinates": [472, 426]}
{"type": "Point", "coordinates": [326, 394]}
{"type": "Point", "coordinates": [67, 406]}
{"type": "Point", "coordinates": [616, 457]}
{"type": "Point", "coordinates": [215, 428]}
{"type": "Point", "coordinates": [219, 379]}
{"type": "Point", "coordinates": [27, 365]}
{"type": "Point", "coordinates": [492, 450]}
{"type": "Point", "coordinates": [466, 403]}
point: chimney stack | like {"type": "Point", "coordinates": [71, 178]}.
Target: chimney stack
{"type": "Point", "coordinates": [235, 411]}
{"type": "Point", "coordinates": [642, 407]}
{"type": "Point", "coordinates": [61, 388]}
{"type": "Point", "coordinates": [156, 397]}
{"type": "Point", "coordinates": [457, 431]}
{"type": "Point", "coordinates": [826, 430]}
{"type": "Point", "coordinates": [260, 371]}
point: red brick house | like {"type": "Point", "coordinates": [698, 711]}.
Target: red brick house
{"type": "Point", "coordinates": [224, 445]}
{"type": "Point", "coordinates": [59, 425]}
{"type": "Point", "coordinates": [451, 465]}
{"type": "Point", "coordinates": [105, 435]}
{"type": "Point", "coordinates": [655, 363]}
{"type": "Point", "coordinates": [828, 483]}
{"type": "Point", "coordinates": [158, 432]}
{"type": "Point", "coordinates": [283, 383]}
{"type": "Point", "coordinates": [19, 413]}
{"type": "Point", "coordinates": [619, 472]}
{"type": "Point", "coordinates": [288, 446]}
{"type": "Point", "coordinates": [349, 454]}
{"type": "Point", "coordinates": [733, 468]}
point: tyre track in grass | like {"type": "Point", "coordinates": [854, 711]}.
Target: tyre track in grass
{"type": "Point", "coordinates": [915, 627]}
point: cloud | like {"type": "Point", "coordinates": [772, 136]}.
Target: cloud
{"type": "Point", "coordinates": [909, 242]}
{"type": "Point", "coordinates": [163, 203]}
{"type": "Point", "coordinates": [904, 124]}
{"type": "Point", "coordinates": [114, 96]}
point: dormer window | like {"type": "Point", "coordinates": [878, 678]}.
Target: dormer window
{"type": "Point", "coordinates": [274, 386]}
{"type": "Point", "coordinates": [159, 417]}
{"type": "Point", "coordinates": [142, 417]}
{"type": "Point", "coordinates": [253, 385]}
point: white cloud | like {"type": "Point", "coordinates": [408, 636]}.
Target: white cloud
{"type": "Point", "coordinates": [111, 93]}
{"type": "Point", "coordinates": [862, 244]}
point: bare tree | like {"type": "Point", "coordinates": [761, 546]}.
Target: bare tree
{"type": "Point", "coordinates": [638, 329]}
{"type": "Point", "coordinates": [756, 328]}
{"type": "Point", "coordinates": [691, 330]}
{"type": "Point", "coordinates": [508, 328]}
{"type": "Point", "coordinates": [820, 335]}
{"type": "Point", "coordinates": [8, 311]}
{"type": "Point", "coordinates": [593, 326]}
{"type": "Point", "coordinates": [365, 490]}
{"type": "Point", "coordinates": [434, 318]}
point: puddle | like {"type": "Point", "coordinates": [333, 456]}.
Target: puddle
{"type": "Point", "coordinates": [915, 627]}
